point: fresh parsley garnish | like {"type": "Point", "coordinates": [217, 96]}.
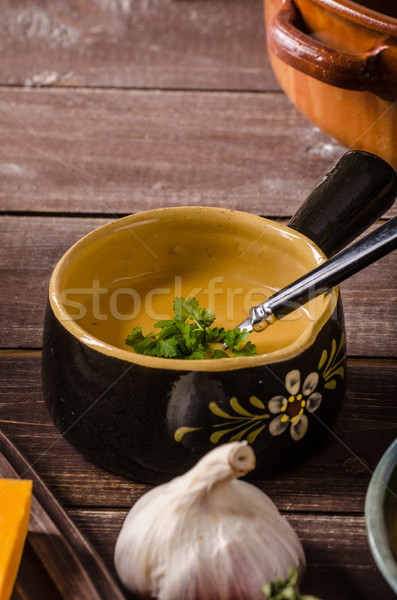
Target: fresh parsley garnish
{"type": "Point", "coordinates": [190, 335]}
{"type": "Point", "coordinates": [287, 589]}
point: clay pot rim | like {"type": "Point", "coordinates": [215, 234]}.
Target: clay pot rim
{"type": "Point", "coordinates": [362, 15]}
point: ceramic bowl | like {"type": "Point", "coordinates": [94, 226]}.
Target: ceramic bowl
{"type": "Point", "coordinates": [337, 62]}
{"type": "Point", "coordinates": [381, 515]}
{"type": "Point", "coordinates": [152, 418]}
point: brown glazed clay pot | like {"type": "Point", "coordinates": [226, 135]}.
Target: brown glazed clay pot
{"type": "Point", "coordinates": [337, 61]}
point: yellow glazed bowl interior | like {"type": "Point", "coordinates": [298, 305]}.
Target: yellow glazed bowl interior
{"type": "Point", "coordinates": [128, 273]}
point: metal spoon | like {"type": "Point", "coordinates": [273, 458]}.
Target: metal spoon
{"type": "Point", "coordinates": [333, 271]}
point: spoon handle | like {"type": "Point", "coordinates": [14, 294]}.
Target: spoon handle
{"type": "Point", "coordinates": [331, 272]}
{"type": "Point", "coordinates": [358, 189]}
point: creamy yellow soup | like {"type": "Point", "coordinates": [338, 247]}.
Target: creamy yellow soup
{"type": "Point", "coordinates": [227, 276]}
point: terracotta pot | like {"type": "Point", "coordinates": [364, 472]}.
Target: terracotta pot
{"type": "Point", "coordinates": [152, 418]}
{"type": "Point", "coordinates": [337, 61]}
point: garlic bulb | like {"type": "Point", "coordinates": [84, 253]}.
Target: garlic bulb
{"type": "Point", "coordinates": [205, 535]}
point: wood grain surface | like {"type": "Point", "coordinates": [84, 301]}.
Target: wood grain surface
{"type": "Point", "coordinates": [58, 560]}
{"type": "Point", "coordinates": [135, 43]}
{"type": "Point", "coordinates": [118, 152]}
{"type": "Point", "coordinates": [109, 107]}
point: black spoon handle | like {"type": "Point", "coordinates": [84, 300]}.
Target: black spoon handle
{"type": "Point", "coordinates": [333, 271]}
{"type": "Point", "coordinates": [358, 189]}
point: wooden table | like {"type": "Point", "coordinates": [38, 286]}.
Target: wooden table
{"type": "Point", "coordinates": [112, 107]}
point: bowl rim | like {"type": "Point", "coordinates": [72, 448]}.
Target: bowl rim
{"type": "Point", "coordinates": [362, 15]}
{"type": "Point", "coordinates": [303, 342]}
{"type": "Point", "coordinates": [374, 516]}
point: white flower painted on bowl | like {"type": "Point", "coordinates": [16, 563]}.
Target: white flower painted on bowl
{"type": "Point", "coordinates": [291, 410]}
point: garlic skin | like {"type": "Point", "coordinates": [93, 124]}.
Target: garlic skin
{"type": "Point", "coordinates": [207, 536]}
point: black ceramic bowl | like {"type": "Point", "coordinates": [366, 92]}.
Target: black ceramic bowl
{"type": "Point", "coordinates": [152, 418]}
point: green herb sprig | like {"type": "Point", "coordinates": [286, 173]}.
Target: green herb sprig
{"type": "Point", "coordinates": [285, 590]}
{"type": "Point", "coordinates": [190, 335]}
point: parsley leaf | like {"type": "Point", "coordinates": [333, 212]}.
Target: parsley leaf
{"type": "Point", "coordinates": [234, 338]}
{"type": "Point", "coordinates": [220, 354]}
{"type": "Point", "coordinates": [285, 589]}
{"type": "Point", "coordinates": [189, 335]}
{"type": "Point", "coordinates": [249, 349]}
{"type": "Point", "coordinates": [135, 336]}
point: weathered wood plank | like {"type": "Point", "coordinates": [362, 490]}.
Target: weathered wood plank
{"type": "Point", "coordinates": [30, 248]}
{"type": "Point", "coordinates": [120, 151]}
{"type": "Point", "coordinates": [333, 479]}
{"type": "Point", "coordinates": [28, 254]}
{"type": "Point", "coordinates": [339, 562]}
{"type": "Point", "coordinates": [144, 43]}
{"type": "Point", "coordinates": [55, 542]}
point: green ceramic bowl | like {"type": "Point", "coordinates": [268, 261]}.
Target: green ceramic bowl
{"type": "Point", "coordinates": [381, 515]}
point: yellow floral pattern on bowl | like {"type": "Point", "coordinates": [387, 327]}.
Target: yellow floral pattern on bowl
{"type": "Point", "coordinates": [290, 409]}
